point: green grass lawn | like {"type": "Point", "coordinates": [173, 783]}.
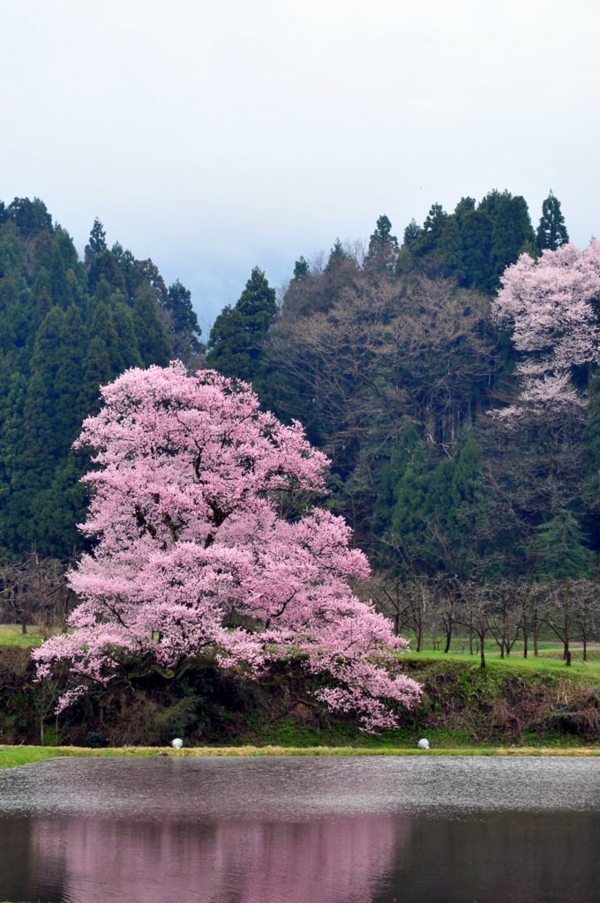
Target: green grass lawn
{"type": "Point", "coordinates": [549, 660]}
{"type": "Point", "coordinates": [12, 635]}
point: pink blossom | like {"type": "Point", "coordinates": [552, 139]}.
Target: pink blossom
{"type": "Point", "coordinates": [548, 305]}
{"type": "Point", "coordinates": [194, 558]}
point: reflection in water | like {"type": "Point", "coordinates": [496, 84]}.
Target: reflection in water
{"type": "Point", "coordinates": [508, 857]}
{"type": "Point", "coordinates": [335, 860]}
{"type": "Point", "coordinates": [301, 831]}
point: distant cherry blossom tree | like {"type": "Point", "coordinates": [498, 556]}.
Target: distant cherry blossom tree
{"type": "Point", "coordinates": [551, 306]}
{"type": "Point", "coordinates": [209, 550]}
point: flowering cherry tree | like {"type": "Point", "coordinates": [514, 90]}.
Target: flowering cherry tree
{"type": "Point", "coordinates": [549, 305]}
{"type": "Point", "coordinates": [209, 550]}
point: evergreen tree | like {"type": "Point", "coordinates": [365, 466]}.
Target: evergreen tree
{"type": "Point", "coordinates": [36, 449]}
{"type": "Point", "coordinates": [475, 228]}
{"type": "Point", "coordinates": [41, 301]}
{"type": "Point", "coordinates": [149, 331]}
{"type": "Point", "coordinates": [383, 250]}
{"type": "Point", "coordinates": [30, 216]}
{"type": "Point", "coordinates": [97, 372]}
{"type": "Point", "coordinates": [412, 233]}
{"type": "Point", "coordinates": [551, 232]}
{"type": "Point", "coordinates": [301, 270]}
{"type": "Point", "coordinates": [11, 429]}
{"type": "Point", "coordinates": [122, 319]}
{"type": "Point", "coordinates": [68, 413]}
{"type": "Point", "coordinates": [184, 328]}
{"type": "Point", "coordinates": [47, 352]}
{"type": "Point", "coordinates": [102, 326]}
{"type": "Point", "coordinates": [432, 231]}
{"type": "Point", "coordinates": [561, 548]}
{"type": "Point", "coordinates": [57, 346]}
{"type": "Point", "coordinates": [237, 340]}
{"type": "Point", "coordinates": [97, 241]}
{"type": "Point", "coordinates": [61, 507]}
{"type": "Point", "coordinates": [12, 250]}
{"type": "Point", "coordinates": [512, 232]}
{"type": "Point", "coordinates": [450, 250]}
{"type": "Point", "coordinates": [440, 514]}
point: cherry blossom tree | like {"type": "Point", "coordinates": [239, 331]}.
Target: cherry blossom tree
{"type": "Point", "coordinates": [210, 550]}
{"type": "Point", "coordinates": [549, 306]}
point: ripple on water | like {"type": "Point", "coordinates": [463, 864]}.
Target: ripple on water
{"type": "Point", "coordinates": [293, 788]}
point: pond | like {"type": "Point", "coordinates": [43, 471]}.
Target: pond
{"type": "Point", "coordinates": [301, 830]}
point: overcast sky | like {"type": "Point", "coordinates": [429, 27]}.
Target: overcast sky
{"type": "Point", "coordinates": [216, 136]}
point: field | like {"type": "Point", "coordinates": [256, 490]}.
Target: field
{"type": "Point", "coordinates": [549, 660]}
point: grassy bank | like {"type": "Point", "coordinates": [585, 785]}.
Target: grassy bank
{"type": "Point", "coordinates": [27, 755]}
{"type": "Point", "coordinates": [534, 702]}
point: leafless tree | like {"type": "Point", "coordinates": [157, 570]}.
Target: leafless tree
{"type": "Point", "coordinates": [34, 591]}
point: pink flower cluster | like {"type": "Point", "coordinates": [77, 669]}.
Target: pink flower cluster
{"type": "Point", "coordinates": [549, 305]}
{"type": "Point", "coordinates": [195, 558]}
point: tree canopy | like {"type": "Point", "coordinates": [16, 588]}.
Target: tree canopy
{"type": "Point", "coordinates": [209, 548]}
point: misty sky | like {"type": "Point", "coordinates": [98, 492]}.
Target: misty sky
{"type": "Point", "coordinates": [216, 136]}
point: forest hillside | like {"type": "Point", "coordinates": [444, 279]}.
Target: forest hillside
{"type": "Point", "coordinates": [464, 437]}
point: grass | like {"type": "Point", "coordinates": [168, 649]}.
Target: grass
{"type": "Point", "coordinates": [12, 635]}
{"type": "Point", "coordinates": [461, 704]}
{"type": "Point", "coordinates": [11, 756]}
{"type": "Point", "coordinates": [550, 651]}
{"type": "Point", "coordinates": [549, 661]}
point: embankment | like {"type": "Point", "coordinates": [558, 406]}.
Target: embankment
{"type": "Point", "coordinates": [463, 706]}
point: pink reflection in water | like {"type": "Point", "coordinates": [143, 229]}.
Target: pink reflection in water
{"type": "Point", "coordinates": [332, 860]}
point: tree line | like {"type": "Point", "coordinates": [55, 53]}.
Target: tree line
{"type": "Point", "coordinates": [406, 361]}
{"type": "Point", "coordinates": [68, 326]}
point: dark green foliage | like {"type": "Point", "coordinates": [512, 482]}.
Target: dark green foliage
{"type": "Point", "coordinates": [301, 269]}
{"type": "Point", "coordinates": [551, 232]}
{"type": "Point", "coordinates": [412, 233]}
{"type": "Point", "coordinates": [97, 372]}
{"type": "Point", "coordinates": [30, 217]}
{"type": "Point", "coordinates": [474, 245]}
{"type": "Point", "coordinates": [97, 241]}
{"type": "Point", "coordinates": [591, 461]}
{"type": "Point", "coordinates": [392, 365]}
{"type": "Point", "coordinates": [382, 251]}
{"type": "Point", "coordinates": [337, 257]}
{"type": "Point", "coordinates": [561, 549]}
{"type": "Point", "coordinates": [183, 322]}
{"type": "Point", "coordinates": [512, 233]}
{"type": "Point", "coordinates": [151, 335]}
{"type": "Point", "coordinates": [127, 340]}
{"type": "Point", "coordinates": [440, 512]}
{"type": "Point", "coordinates": [104, 266]}
{"type": "Point", "coordinates": [236, 341]}
{"type": "Point", "coordinates": [67, 327]}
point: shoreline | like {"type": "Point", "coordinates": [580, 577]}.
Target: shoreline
{"type": "Point", "coordinates": [13, 756]}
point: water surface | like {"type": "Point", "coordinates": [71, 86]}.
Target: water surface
{"type": "Point", "coordinates": [301, 830]}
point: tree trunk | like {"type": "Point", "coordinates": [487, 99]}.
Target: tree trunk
{"type": "Point", "coordinates": [448, 638]}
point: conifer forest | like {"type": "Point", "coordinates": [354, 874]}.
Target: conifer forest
{"type": "Point", "coordinates": [448, 372]}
